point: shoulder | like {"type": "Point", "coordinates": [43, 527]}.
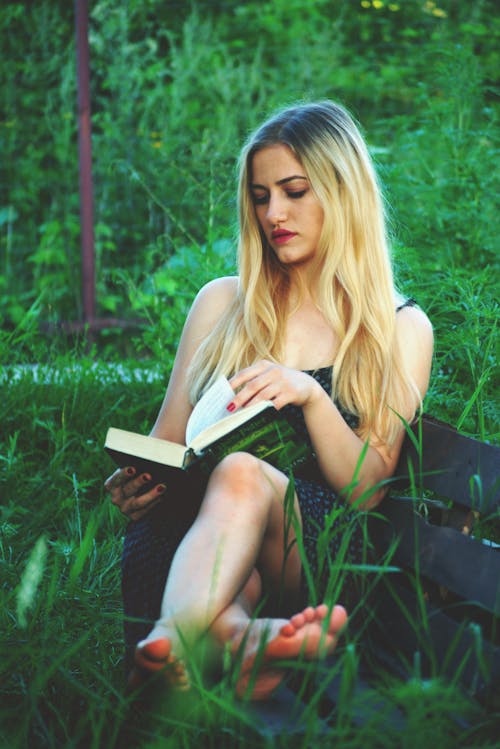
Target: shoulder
{"type": "Point", "coordinates": [212, 301]}
{"type": "Point", "coordinates": [220, 291]}
{"type": "Point", "coordinates": [412, 321]}
{"type": "Point", "coordinates": [210, 304]}
{"type": "Point", "coordinates": [416, 343]}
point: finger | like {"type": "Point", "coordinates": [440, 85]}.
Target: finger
{"type": "Point", "coordinates": [280, 401]}
{"type": "Point", "coordinates": [144, 502]}
{"type": "Point", "coordinates": [249, 373]}
{"type": "Point", "coordinates": [120, 476]}
{"type": "Point", "coordinates": [121, 493]}
{"type": "Point", "coordinates": [269, 393]}
{"type": "Point", "coordinates": [140, 504]}
{"type": "Point", "coordinates": [254, 386]}
{"type": "Point", "coordinates": [138, 514]}
{"type": "Point", "coordinates": [134, 486]}
{"type": "Point", "coordinates": [258, 390]}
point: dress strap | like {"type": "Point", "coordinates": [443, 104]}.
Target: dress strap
{"type": "Point", "coordinates": [410, 302]}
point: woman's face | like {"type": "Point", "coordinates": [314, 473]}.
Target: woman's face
{"type": "Point", "coordinates": [288, 211]}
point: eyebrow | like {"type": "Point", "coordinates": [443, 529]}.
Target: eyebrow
{"type": "Point", "coordinates": [279, 182]}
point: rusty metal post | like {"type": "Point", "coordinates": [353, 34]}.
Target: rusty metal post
{"type": "Point", "coordinates": [90, 323]}
{"type": "Point", "coordinates": [85, 162]}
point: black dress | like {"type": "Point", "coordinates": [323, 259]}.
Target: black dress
{"type": "Point", "coordinates": [332, 538]}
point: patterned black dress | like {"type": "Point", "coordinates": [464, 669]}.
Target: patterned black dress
{"type": "Point", "coordinates": [332, 541]}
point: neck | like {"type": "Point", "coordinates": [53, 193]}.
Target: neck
{"type": "Point", "coordinates": [303, 285]}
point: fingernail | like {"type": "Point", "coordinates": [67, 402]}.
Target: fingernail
{"type": "Point", "coordinates": [146, 477]}
{"type": "Point", "coordinates": [130, 471]}
{"type": "Point", "coordinates": [160, 488]}
{"type": "Point", "coordinates": [231, 407]}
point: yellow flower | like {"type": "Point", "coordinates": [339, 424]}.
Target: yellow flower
{"type": "Point", "coordinates": [429, 5]}
{"type": "Point", "coordinates": [378, 4]}
{"type": "Point", "coordinates": [365, 3]}
{"type": "Point", "coordinates": [393, 6]}
{"type": "Point", "coordinates": [157, 144]}
{"type": "Point", "coordinates": [439, 13]}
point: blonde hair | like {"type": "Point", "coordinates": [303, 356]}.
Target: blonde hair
{"type": "Point", "coordinates": [355, 288]}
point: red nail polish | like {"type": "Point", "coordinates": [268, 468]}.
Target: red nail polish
{"type": "Point", "coordinates": [231, 407]}
{"type": "Point", "coordinates": [146, 477]}
{"type": "Point", "coordinates": [130, 471]}
{"type": "Point", "coordinates": [160, 488]}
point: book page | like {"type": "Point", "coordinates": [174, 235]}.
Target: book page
{"type": "Point", "coordinates": [210, 408]}
{"type": "Point", "coordinates": [130, 445]}
{"type": "Point", "coordinates": [229, 423]}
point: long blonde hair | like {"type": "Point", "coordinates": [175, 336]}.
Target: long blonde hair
{"type": "Point", "coordinates": [355, 290]}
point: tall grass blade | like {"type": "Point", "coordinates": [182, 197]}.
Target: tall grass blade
{"type": "Point", "coordinates": [30, 581]}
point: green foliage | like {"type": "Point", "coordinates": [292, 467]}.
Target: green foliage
{"type": "Point", "coordinates": [175, 89]}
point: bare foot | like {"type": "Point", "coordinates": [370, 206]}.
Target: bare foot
{"type": "Point", "coordinates": [153, 656]}
{"type": "Point", "coordinates": [308, 635]}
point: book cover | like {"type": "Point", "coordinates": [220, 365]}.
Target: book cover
{"type": "Point", "coordinates": [267, 435]}
{"type": "Point", "coordinates": [258, 429]}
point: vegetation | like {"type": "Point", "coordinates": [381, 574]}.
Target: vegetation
{"type": "Point", "coordinates": [175, 88]}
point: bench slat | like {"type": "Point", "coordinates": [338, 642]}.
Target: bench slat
{"type": "Point", "coordinates": [450, 460]}
{"type": "Point", "coordinates": [466, 566]}
{"type": "Point", "coordinates": [445, 646]}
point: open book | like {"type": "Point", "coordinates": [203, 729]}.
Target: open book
{"type": "Point", "coordinates": [211, 434]}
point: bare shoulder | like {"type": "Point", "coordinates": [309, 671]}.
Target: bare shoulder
{"type": "Point", "coordinates": [218, 293]}
{"type": "Point", "coordinates": [210, 303]}
{"type": "Point", "coordinates": [412, 324]}
{"type": "Point", "coordinates": [416, 343]}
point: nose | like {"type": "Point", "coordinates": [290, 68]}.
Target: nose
{"type": "Point", "coordinates": [276, 210]}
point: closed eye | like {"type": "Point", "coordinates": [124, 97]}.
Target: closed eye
{"type": "Point", "coordinates": [263, 199]}
{"type": "Point", "coordinates": [260, 199]}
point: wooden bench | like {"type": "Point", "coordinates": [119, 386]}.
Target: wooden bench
{"type": "Point", "coordinates": [439, 614]}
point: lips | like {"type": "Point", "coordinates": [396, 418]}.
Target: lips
{"type": "Point", "coordinates": [282, 235]}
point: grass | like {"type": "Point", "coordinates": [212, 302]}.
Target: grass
{"type": "Point", "coordinates": [62, 654]}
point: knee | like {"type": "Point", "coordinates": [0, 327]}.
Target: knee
{"type": "Point", "coordinates": [239, 472]}
{"type": "Point", "coordinates": [240, 480]}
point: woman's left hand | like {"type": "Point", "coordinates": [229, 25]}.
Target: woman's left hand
{"type": "Point", "coordinates": [268, 381]}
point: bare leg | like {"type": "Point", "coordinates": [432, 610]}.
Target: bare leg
{"type": "Point", "coordinates": [240, 525]}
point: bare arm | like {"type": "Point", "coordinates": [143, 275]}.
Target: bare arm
{"type": "Point", "coordinates": [209, 305]}
{"type": "Point", "coordinates": [327, 427]}
{"type": "Point", "coordinates": [170, 424]}
{"type": "Point", "coordinates": [338, 448]}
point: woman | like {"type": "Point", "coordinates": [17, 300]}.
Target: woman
{"type": "Point", "coordinates": [315, 291]}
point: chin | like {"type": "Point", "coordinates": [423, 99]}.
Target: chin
{"type": "Point", "coordinates": [292, 260]}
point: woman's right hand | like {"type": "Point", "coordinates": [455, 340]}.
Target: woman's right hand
{"type": "Point", "coordinates": [125, 487]}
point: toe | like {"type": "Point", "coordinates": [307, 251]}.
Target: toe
{"type": "Point", "coordinates": [298, 620]}
{"type": "Point", "coordinates": [309, 614]}
{"type": "Point", "coordinates": [322, 611]}
{"type": "Point", "coordinates": [338, 618]}
{"type": "Point", "coordinates": [288, 629]}
{"type": "Point", "coordinates": [155, 650]}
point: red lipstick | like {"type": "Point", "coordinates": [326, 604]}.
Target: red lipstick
{"type": "Point", "coordinates": [280, 236]}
